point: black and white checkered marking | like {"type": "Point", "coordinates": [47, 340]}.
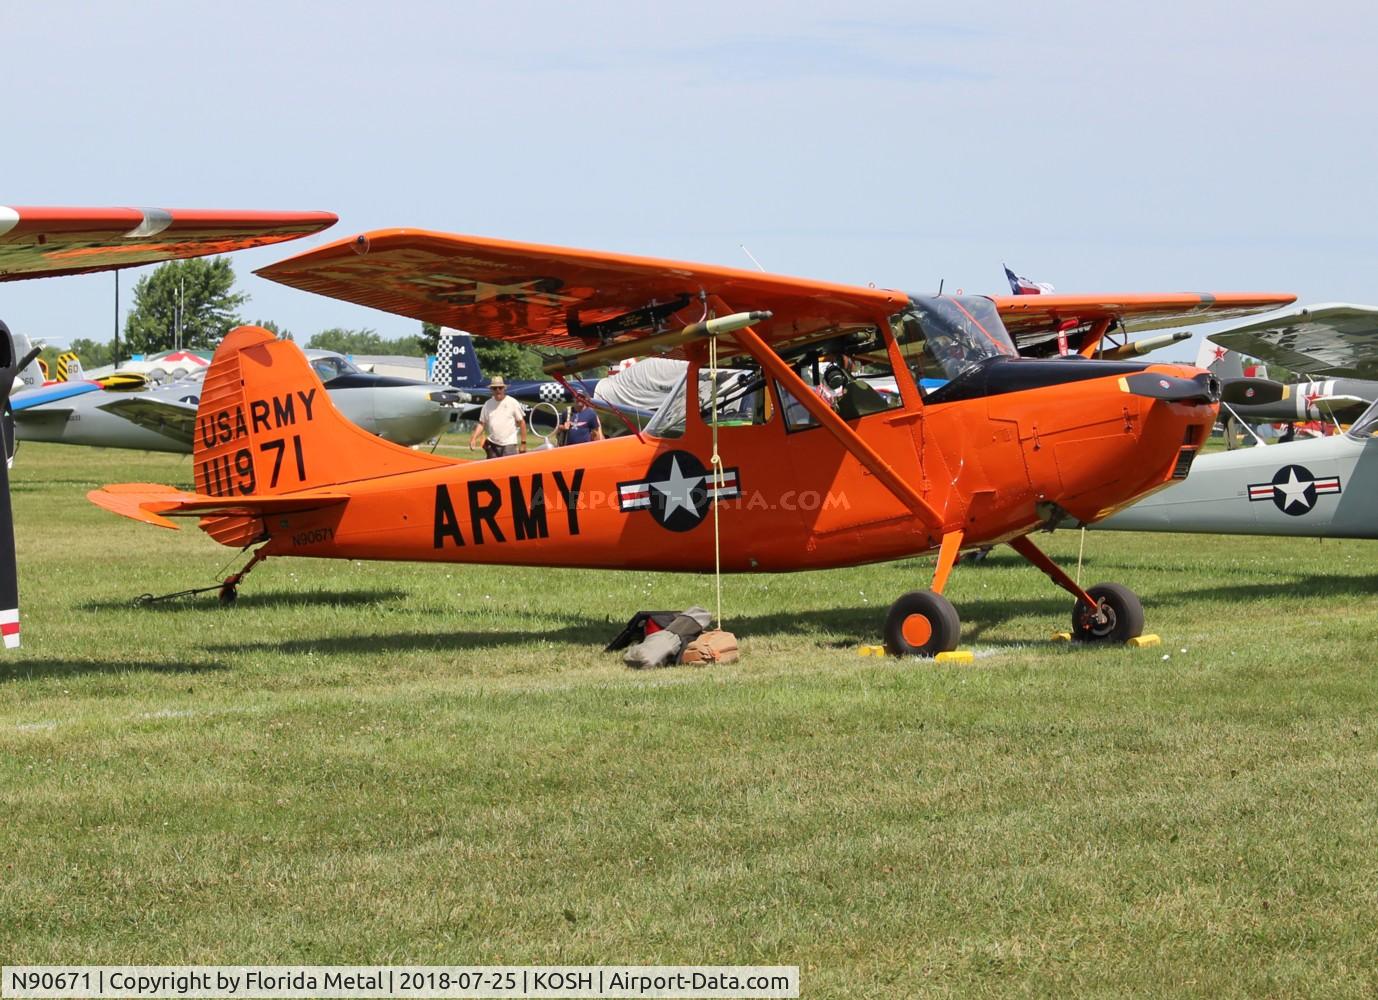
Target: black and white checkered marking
{"type": "Point", "coordinates": [552, 392]}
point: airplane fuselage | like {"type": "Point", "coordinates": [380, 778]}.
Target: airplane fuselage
{"type": "Point", "coordinates": [995, 466]}
{"type": "Point", "coordinates": [1319, 487]}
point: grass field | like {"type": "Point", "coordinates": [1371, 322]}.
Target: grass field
{"type": "Point", "coordinates": [365, 763]}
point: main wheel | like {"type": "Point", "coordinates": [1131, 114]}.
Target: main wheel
{"type": "Point", "coordinates": [1124, 615]}
{"type": "Point", "coordinates": [921, 623]}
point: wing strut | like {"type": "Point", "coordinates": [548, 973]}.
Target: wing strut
{"type": "Point", "coordinates": [849, 439]}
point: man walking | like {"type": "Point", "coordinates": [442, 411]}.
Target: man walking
{"type": "Point", "coordinates": [501, 423]}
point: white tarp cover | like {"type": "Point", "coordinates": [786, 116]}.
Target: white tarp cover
{"type": "Point", "coordinates": [643, 386]}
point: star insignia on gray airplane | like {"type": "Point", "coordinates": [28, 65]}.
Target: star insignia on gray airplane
{"type": "Point", "coordinates": [1294, 489]}
{"type": "Point", "coordinates": [678, 490]}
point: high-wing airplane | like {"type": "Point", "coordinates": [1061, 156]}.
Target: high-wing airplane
{"type": "Point", "coordinates": [1004, 446]}
{"type": "Point", "coordinates": [39, 242]}
{"type": "Point", "coordinates": [1322, 487]}
{"type": "Point", "coordinates": [163, 417]}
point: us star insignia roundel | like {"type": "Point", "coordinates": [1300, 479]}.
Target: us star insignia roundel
{"type": "Point", "coordinates": [1294, 489]}
{"type": "Point", "coordinates": [678, 490]}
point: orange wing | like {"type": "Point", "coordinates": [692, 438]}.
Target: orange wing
{"type": "Point", "coordinates": [36, 242]}
{"type": "Point", "coordinates": [581, 298]}
{"type": "Point", "coordinates": [1034, 321]}
{"type": "Point", "coordinates": [564, 297]}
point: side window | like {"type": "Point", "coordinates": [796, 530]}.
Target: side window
{"type": "Point", "coordinates": [855, 380]}
{"type": "Point", "coordinates": [796, 417]}
{"type": "Point", "coordinates": [742, 398]}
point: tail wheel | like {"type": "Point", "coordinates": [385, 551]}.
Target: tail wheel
{"type": "Point", "coordinates": [1123, 615]}
{"type": "Point", "coordinates": [921, 623]}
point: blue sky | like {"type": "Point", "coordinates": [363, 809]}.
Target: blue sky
{"type": "Point", "coordinates": [1168, 147]}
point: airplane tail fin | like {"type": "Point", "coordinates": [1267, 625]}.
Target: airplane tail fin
{"type": "Point", "coordinates": [456, 361]}
{"type": "Point", "coordinates": [1224, 363]}
{"type": "Point", "coordinates": [266, 426]}
{"type": "Point", "coordinates": [69, 367]}
{"type": "Point", "coordinates": [31, 374]}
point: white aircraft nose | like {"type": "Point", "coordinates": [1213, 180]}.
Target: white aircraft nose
{"type": "Point", "coordinates": [411, 414]}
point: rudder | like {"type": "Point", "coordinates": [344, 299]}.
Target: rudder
{"type": "Point", "coordinates": [265, 425]}
{"type": "Point", "coordinates": [456, 361]}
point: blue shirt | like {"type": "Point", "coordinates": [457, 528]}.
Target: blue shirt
{"type": "Point", "coordinates": [583, 423]}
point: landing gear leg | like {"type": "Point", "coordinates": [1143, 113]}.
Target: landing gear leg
{"type": "Point", "coordinates": [229, 587]}
{"type": "Point", "coordinates": [1107, 612]}
{"type": "Point", "coordinates": [924, 622]}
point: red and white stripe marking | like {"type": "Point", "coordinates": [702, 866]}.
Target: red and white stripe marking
{"type": "Point", "coordinates": [9, 627]}
{"type": "Point", "coordinates": [725, 487]}
{"type": "Point", "coordinates": [634, 496]}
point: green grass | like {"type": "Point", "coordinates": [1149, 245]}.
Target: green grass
{"type": "Point", "coordinates": [370, 762]}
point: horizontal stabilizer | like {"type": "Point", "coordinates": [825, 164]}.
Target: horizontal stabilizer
{"type": "Point", "coordinates": [154, 503]}
{"type": "Point", "coordinates": [43, 416]}
{"type": "Point", "coordinates": [1342, 408]}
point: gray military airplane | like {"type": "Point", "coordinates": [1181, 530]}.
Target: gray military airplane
{"type": "Point", "coordinates": [1322, 487]}
{"type": "Point", "coordinates": [163, 418]}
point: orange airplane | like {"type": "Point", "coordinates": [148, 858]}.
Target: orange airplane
{"type": "Point", "coordinates": [37, 242]}
{"type": "Point", "coordinates": [920, 427]}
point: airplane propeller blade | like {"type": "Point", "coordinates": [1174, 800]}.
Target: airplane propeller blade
{"type": "Point", "coordinates": [1251, 391]}
{"type": "Point", "coordinates": [1204, 388]}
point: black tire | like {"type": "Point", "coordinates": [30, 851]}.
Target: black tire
{"type": "Point", "coordinates": [1124, 615]}
{"type": "Point", "coordinates": [921, 623]}
{"type": "Point", "coordinates": [229, 593]}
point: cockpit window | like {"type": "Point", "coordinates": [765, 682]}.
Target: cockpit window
{"type": "Point", "coordinates": [942, 336]}
{"type": "Point", "coordinates": [741, 396]}
{"type": "Point", "coordinates": [331, 366]}
{"type": "Point", "coordinates": [1367, 424]}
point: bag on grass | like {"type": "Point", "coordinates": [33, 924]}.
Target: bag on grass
{"type": "Point", "coordinates": [713, 646]}
{"type": "Point", "coordinates": [663, 647]}
{"type": "Point", "coordinates": [643, 623]}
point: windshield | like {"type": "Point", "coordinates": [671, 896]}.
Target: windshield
{"type": "Point", "coordinates": [332, 366]}
{"type": "Point", "coordinates": [1367, 425]}
{"type": "Point", "coordinates": [942, 336]}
